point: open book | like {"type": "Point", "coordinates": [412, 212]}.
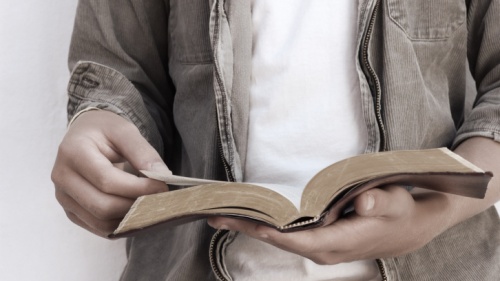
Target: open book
{"type": "Point", "coordinates": [320, 202]}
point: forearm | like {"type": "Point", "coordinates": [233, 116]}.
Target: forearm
{"type": "Point", "coordinates": [484, 153]}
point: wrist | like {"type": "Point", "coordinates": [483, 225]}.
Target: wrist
{"type": "Point", "coordinates": [79, 113]}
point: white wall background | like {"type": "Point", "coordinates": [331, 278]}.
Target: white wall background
{"type": "Point", "coordinates": [37, 241]}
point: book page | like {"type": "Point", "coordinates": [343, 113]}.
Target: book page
{"type": "Point", "coordinates": [293, 194]}
{"type": "Point", "coordinates": [411, 163]}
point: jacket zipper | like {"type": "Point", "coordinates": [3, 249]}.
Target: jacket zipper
{"type": "Point", "coordinates": [373, 77]}
{"type": "Point", "coordinates": [382, 269]}
{"type": "Point", "coordinates": [225, 164]}
{"type": "Point", "coordinates": [220, 233]}
{"type": "Point", "coordinates": [378, 101]}
{"type": "Point", "coordinates": [212, 252]}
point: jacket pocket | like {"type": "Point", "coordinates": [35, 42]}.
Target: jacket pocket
{"type": "Point", "coordinates": [427, 19]}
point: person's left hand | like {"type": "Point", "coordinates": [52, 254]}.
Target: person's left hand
{"type": "Point", "coordinates": [387, 222]}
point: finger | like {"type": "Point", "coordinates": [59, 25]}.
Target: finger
{"type": "Point", "coordinates": [344, 241]}
{"type": "Point", "coordinates": [390, 202]}
{"type": "Point", "coordinates": [252, 229]}
{"type": "Point", "coordinates": [85, 219]}
{"type": "Point", "coordinates": [301, 242]}
{"type": "Point", "coordinates": [74, 219]}
{"type": "Point", "coordinates": [92, 165]}
{"type": "Point", "coordinates": [101, 205]}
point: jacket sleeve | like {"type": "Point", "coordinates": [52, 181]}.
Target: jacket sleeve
{"type": "Point", "coordinates": [484, 60]}
{"type": "Point", "coordinates": [119, 61]}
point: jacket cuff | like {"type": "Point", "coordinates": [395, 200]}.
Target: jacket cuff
{"type": "Point", "coordinates": [478, 128]}
{"type": "Point", "coordinates": [98, 86]}
{"type": "Point", "coordinates": [485, 134]}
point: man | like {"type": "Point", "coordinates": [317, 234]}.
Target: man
{"type": "Point", "coordinates": [180, 74]}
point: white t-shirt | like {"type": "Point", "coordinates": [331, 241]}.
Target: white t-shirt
{"type": "Point", "coordinates": [305, 113]}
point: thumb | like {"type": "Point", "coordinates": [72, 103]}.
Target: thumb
{"type": "Point", "coordinates": [390, 201]}
{"type": "Point", "coordinates": [136, 150]}
{"type": "Point", "coordinates": [161, 168]}
{"type": "Point", "coordinates": [157, 167]}
{"type": "Point", "coordinates": [131, 145]}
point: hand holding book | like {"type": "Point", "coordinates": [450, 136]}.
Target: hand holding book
{"type": "Point", "coordinates": [387, 222]}
{"type": "Point", "coordinates": [396, 224]}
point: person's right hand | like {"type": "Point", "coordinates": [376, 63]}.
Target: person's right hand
{"type": "Point", "coordinates": [95, 193]}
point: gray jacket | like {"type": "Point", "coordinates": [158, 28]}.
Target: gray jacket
{"type": "Point", "coordinates": [180, 71]}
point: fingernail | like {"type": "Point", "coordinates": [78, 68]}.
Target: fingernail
{"type": "Point", "coordinates": [160, 168]}
{"type": "Point", "coordinates": [214, 225]}
{"type": "Point", "coordinates": [370, 203]}
{"type": "Point", "coordinates": [264, 235]}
